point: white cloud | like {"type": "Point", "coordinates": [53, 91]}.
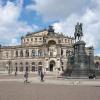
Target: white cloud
{"type": "Point", "coordinates": [10, 25]}
{"type": "Point", "coordinates": [9, 13]}
{"type": "Point", "coordinates": [20, 3]}
{"type": "Point", "coordinates": [58, 9]}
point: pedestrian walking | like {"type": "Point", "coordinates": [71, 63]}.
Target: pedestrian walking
{"type": "Point", "coordinates": [15, 73]}
{"type": "Point", "coordinates": [26, 77]}
{"type": "Point", "coordinates": [42, 76]}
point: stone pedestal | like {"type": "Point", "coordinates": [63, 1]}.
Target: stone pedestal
{"type": "Point", "coordinates": [78, 61]}
{"type": "Point", "coordinates": [80, 67]}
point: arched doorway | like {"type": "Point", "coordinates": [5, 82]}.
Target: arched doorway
{"type": "Point", "coordinates": [51, 65]}
{"type": "Point", "coordinates": [51, 42]}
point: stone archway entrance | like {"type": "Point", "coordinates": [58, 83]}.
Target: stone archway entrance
{"type": "Point", "coordinates": [51, 65]}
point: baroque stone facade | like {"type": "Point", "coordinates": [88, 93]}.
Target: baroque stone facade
{"type": "Point", "coordinates": [39, 50]}
{"type": "Point", "coordinates": [44, 49]}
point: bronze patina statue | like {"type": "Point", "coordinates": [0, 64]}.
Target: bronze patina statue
{"type": "Point", "coordinates": [78, 31]}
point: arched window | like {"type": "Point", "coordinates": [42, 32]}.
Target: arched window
{"type": "Point", "coordinates": [33, 69]}
{"type": "Point", "coordinates": [33, 53]}
{"type": "Point", "coordinates": [21, 53]}
{"type": "Point", "coordinates": [40, 63]}
{"type": "Point", "coordinates": [16, 53]}
{"type": "Point", "coordinates": [15, 64]}
{"type": "Point", "coordinates": [27, 53]}
{"type": "Point", "coordinates": [27, 63]}
{"type": "Point", "coordinates": [33, 63]}
{"type": "Point", "coordinates": [39, 53]}
{"type": "Point", "coordinates": [21, 64]}
{"type": "Point", "coordinates": [51, 42]}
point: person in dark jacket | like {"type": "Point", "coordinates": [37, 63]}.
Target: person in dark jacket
{"type": "Point", "coordinates": [42, 76]}
{"type": "Point", "coordinates": [15, 73]}
{"type": "Point", "coordinates": [26, 77]}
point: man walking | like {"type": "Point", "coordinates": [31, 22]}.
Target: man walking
{"type": "Point", "coordinates": [42, 76]}
{"type": "Point", "coordinates": [26, 77]}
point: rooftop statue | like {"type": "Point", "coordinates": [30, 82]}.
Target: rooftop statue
{"type": "Point", "coordinates": [51, 29]}
{"type": "Point", "coordinates": [78, 31]}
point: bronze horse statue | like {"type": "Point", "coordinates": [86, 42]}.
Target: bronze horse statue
{"type": "Point", "coordinates": [78, 31]}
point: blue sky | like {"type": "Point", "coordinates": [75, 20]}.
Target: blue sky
{"type": "Point", "coordinates": [17, 17]}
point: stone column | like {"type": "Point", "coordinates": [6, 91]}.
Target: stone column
{"type": "Point", "coordinates": [24, 51]}
{"type": "Point", "coordinates": [64, 52]}
{"type": "Point", "coordinates": [30, 53]}
{"type": "Point", "coordinates": [58, 63]}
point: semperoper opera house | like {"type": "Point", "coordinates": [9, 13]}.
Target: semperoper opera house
{"type": "Point", "coordinates": [44, 49]}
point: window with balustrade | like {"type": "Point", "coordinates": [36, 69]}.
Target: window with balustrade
{"type": "Point", "coordinates": [21, 53]}
{"type": "Point", "coordinates": [33, 53]}
{"type": "Point", "coordinates": [16, 53]}
{"type": "Point", "coordinates": [27, 53]}
{"type": "Point", "coordinates": [39, 53]}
